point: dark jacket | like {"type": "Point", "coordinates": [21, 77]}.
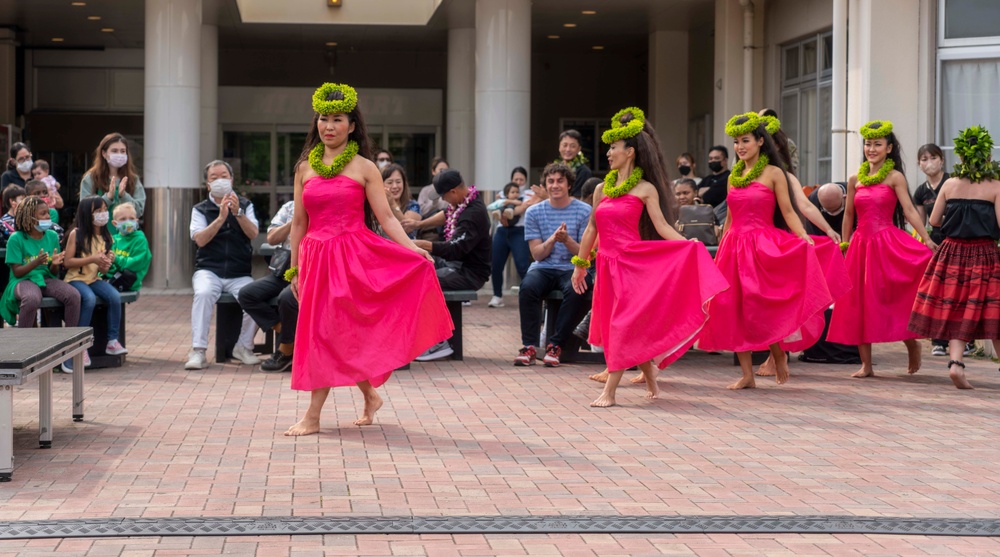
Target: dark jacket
{"type": "Point", "coordinates": [583, 173]}
{"type": "Point", "coordinates": [717, 185]}
{"type": "Point", "coordinates": [471, 244]}
{"type": "Point", "coordinates": [229, 253]}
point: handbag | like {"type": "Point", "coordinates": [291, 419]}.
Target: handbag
{"type": "Point", "coordinates": [281, 261]}
{"type": "Point", "coordinates": [697, 222]}
{"type": "Point", "coordinates": [123, 280]}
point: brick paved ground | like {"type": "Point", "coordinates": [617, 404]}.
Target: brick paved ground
{"type": "Point", "coordinates": [481, 437]}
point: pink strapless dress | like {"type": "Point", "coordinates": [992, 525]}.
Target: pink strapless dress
{"type": "Point", "coordinates": [650, 297]}
{"type": "Point", "coordinates": [885, 264]}
{"type": "Point", "coordinates": [778, 289]}
{"type": "Point", "coordinates": [367, 305]}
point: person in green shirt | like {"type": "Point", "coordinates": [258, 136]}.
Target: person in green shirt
{"type": "Point", "coordinates": [130, 246]}
{"type": "Point", "coordinates": [38, 188]}
{"type": "Point", "coordinates": [34, 258]}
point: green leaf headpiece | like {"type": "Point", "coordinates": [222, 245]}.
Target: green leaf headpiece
{"type": "Point", "coordinates": [627, 130]}
{"type": "Point", "coordinates": [323, 100]}
{"type": "Point", "coordinates": [742, 124]}
{"type": "Point", "coordinates": [876, 129]}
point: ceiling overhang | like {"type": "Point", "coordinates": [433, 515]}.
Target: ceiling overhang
{"type": "Point", "coordinates": [352, 12]}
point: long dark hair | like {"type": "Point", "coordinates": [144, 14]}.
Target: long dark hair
{"type": "Point", "coordinates": [781, 145]}
{"type": "Point", "coordinates": [100, 171]}
{"type": "Point", "coordinates": [649, 157]}
{"type": "Point", "coordinates": [359, 135]}
{"type": "Point", "coordinates": [896, 154]}
{"type": "Point", "coordinates": [774, 157]}
{"type": "Point", "coordinates": [85, 226]}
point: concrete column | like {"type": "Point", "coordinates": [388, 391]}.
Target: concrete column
{"type": "Point", "coordinates": [668, 91]}
{"type": "Point", "coordinates": [729, 74]}
{"type": "Point", "coordinates": [461, 101]}
{"type": "Point", "coordinates": [8, 75]}
{"type": "Point", "coordinates": [882, 87]}
{"type": "Point", "coordinates": [503, 89]}
{"type": "Point", "coordinates": [172, 135]}
{"type": "Point", "coordinates": [838, 97]}
{"type": "Point", "coordinates": [209, 145]}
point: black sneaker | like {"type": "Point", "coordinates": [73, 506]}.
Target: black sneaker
{"type": "Point", "coordinates": [582, 330]}
{"type": "Point", "coordinates": [278, 362]}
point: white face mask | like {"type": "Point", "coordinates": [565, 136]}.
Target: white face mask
{"type": "Point", "coordinates": [25, 166]}
{"type": "Point", "coordinates": [221, 187]}
{"type": "Point", "coordinates": [382, 164]}
{"type": "Point", "coordinates": [117, 160]}
{"type": "Point", "coordinates": [100, 219]}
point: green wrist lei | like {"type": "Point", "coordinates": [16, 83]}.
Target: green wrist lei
{"type": "Point", "coordinates": [879, 176]}
{"type": "Point", "coordinates": [742, 124]}
{"type": "Point", "coordinates": [628, 130]}
{"type": "Point", "coordinates": [581, 262]}
{"type": "Point", "coordinates": [736, 177]}
{"type": "Point", "coordinates": [974, 148]}
{"type": "Point", "coordinates": [611, 190]}
{"type": "Point", "coordinates": [324, 103]}
{"type": "Point", "coordinates": [291, 273]}
{"type": "Point", "coordinates": [339, 162]}
{"type": "Point", "coordinates": [876, 129]}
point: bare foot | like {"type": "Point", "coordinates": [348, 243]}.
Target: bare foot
{"type": "Point", "coordinates": [601, 377]}
{"type": "Point", "coordinates": [865, 371]}
{"type": "Point", "coordinates": [638, 379]}
{"type": "Point", "coordinates": [652, 388]}
{"type": "Point", "coordinates": [957, 375]}
{"type": "Point", "coordinates": [767, 368]}
{"type": "Point", "coordinates": [372, 404]}
{"type": "Point", "coordinates": [781, 370]}
{"type": "Point", "coordinates": [913, 353]}
{"type": "Point", "coordinates": [604, 401]}
{"type": "Point", "coordinates": [306, 426]}
{"type": "Point", "coordinates": [744, 383]}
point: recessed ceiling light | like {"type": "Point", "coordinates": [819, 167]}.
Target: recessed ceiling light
{"type": "Point", "coordinates": [94, 17]}
{"type": "Point", "coordinates": [569, 25]}
{"type": "Point", "coordinates": [553, 36]}
{"type": "Point", "coordinates": [598, 47]}
{"type": "Point", "coordinates": [107, 30]}
{"type": "Point", "coordinates": [588, 12]}
{"type": "Point", "coordinates": [57, 39]}
{"type": "Point", "coordinates": [331, 43]}
{"type": "Point", "coordinates": [77, 3]}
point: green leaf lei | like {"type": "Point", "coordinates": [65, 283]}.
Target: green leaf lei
{"type": "Point", "coordinates": [578, 160]}
{"type": "Point", "coordinates": [628, 130]}
{"type": "Point", "coordinates": [974, 147]}
{"type": "Point", "coordinates": [736, 177]}
{"type": "Point", "coordinates": [339, 162]}
{"type": "Point", "coordinates": [879, 177]}
{"type": "Point", "coordinates": [324, 103]}
{"type": "Point", "coordinates": [611, 190]}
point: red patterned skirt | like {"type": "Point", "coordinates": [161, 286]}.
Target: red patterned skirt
{"type": "Point", "coordinates": [959, 295]}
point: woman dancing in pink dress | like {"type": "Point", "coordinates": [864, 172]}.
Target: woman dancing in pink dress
{"type": "Point", "coordinates": [777, 291]}
{"type": "Point", "coordinates": [884, 263]}
{"type": "Point", "coordinates": [650, 297]}
{"type": "Point", "coordinates": [367, 305]}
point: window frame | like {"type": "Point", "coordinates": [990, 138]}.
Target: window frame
{"type": "Point", "coordinates": [797, 86]}
{"type": "Point", "coordinates": [944, 42]}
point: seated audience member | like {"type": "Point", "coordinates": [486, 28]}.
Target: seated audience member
{"type": "Point", "coordinates": [553, 229]}
{"type": "Point", "coordinates": [571, 154]}
{"type": "Point", "coordinates": [255, 298]}
{"type": "Point", "coordinates": [18, 167]}
{"type": "Point", "coordinates": [88, 256]}
{"type": "Point", "coordinates": [830, 199]}
{"type": "Point", "coordinates": [222, 227]}
{"type": "Point", "coordinates": [397, 189]}
{"type": "Point", "coordinates": [686, 191]}
{"type": "Point", "coordinates": [12, 196]}
{"type": "Point", "coordinates": [714, 187]}
{"type": "Point", "coordinates": [383, 158]}
{"type": "Point", "coordinates": [462, 260]}
{"type": "Point", "coordinates": [587, 192]}
{"type": "Point", "coordinates": [35, 260]}
{"type": "Point", "coordinates": [38, 188]}
{"type": "Point", "coordinates": [428, 199]}
{"type": "Point", "coordinates": [686, 168]}
{"type": "Point", "coordinates": [40, 172]}
{"type": "Point", "coordinates": [132, 256]}
{"type": "Point", "coordinates": [509, 199]}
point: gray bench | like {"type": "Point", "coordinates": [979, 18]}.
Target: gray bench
{"type": "Point", "coordinates": [52, 317]}
{"type": "Point", "coordinates": [453, 299]}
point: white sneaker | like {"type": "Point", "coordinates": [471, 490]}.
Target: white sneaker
{"type": "Point", "coordinates": [436, 352]}
{"type": "Point", "coordinates": [196, 360]}
{"type": "Point", "coordinates": [245, 355]}
{"type": "Point", "coordinates": [115, 348]}
{"type": "Point", "coordinates": [495, 302]}
{"type": "Point", "coordinates": [86, 359]}
{"type": "Point", "coordinates": [66, 368]}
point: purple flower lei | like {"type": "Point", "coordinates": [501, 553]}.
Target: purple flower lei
{"type": "Point", "coordinates": [452, 214]}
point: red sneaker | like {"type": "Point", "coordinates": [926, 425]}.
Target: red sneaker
{"type": "Point", "coordinates": [525, 356]}
{"type": "Point", "coordinates": [552, 353]}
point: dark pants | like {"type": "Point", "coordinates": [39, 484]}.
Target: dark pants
{"type": "Point", "coordinates": [537, 284]}
{"type": "Point", "coordinates": [509, 240]}
{"type": "Point", "coordinates": [452, 276]}
{"type": "Point", "coordinates": [255, 299]}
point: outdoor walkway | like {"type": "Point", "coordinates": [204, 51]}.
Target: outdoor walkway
{"type": "Point", "coordinates": [481, 437]}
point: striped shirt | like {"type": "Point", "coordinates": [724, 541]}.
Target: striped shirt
{"type": "Point", "coordinates": [542, 220]}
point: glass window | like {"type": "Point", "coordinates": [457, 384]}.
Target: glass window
{"type": "Point", "coordinates": [967, 19]}
{"type": "Point", "coordinates": [828, 53]}
{"type": "Point", "coordinates": [413, 151]}
{"type": "Point", "coordinates": [970, 95]}
{"type": "Point", "coordinates": [809, 58]}
{"type": "Point", "coordinates": [806, 107]}
{"type": "Point", "coordinates": [791, 63]}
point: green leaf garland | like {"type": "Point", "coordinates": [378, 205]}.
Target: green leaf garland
{"type": "Point", "coordinates": [611, 190]}
{"type": "Point", "coordinates": [738, 180]}
{"type": "Point", "coordinates": [339, 162]}
{"type": "Point", "coordinates": [974, 146]}
{"type": "Point", "coordinates": [879, 177]}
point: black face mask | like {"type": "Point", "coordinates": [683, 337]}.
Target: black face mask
{"type": "Point", "coordinates": [715, 166]}
{"type": "Point", "coordinates": [684, 169]}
